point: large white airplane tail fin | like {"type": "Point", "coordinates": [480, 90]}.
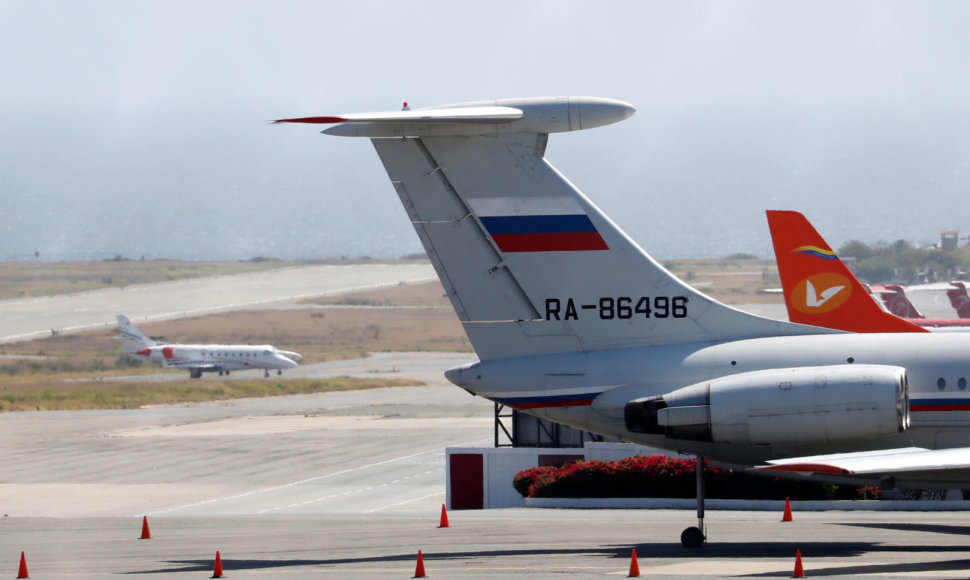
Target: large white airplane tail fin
{"type": "Point", "coordinates": [530, 264]}
{"type": "Point", "coordinates": [132, 337]}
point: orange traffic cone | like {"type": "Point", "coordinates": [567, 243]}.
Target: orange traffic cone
{"type": "Point", "coordinates": [217, 570]}
{"type": "Point", "coordinates": [444, 517]}
{"type": "Point", "coordinates": [799, 571]}
{"type": "Point", "coordinates": [22, 573]}
{"type": "Point", "coordinates": [145, 534]}
{"type": "Point", "coordinates": [634, 567]}
{"type": "Point", "coordinates": [787, 516]}
{"type": "Point", "coordinates": [419, 570]}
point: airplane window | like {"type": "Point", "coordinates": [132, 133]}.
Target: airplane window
{"type": "Point", "coordinates": [941, 383]}
{"type": "Point", "coordinates": [962, 383]}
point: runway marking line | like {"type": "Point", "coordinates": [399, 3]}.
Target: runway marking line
{"type": "Point", "coordinates": [435, 450]}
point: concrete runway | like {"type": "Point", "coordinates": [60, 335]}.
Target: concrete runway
{"type": "Point", "coordinates": [29, 318]}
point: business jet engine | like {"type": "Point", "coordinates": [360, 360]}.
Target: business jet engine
{"type": "Point", "coordinates": [803, 405]}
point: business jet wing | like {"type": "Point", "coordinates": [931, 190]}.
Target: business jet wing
{"type": "Point", "coordinates": [906, 462]}
{"type": "Point", "coordinates": [192, 365]}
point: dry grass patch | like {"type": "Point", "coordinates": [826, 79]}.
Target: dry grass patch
{"type": "Point", "coordinates": [731, 281]}
{"type": "Point", "coordinates": [47, 393]}
{"type": "Point", "coordinates": [426, 294]}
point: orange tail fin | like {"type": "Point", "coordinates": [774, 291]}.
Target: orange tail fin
{"type": "Point", "coordinates": [819, 289]}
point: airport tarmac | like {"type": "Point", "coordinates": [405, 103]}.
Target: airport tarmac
{"type": "Point", "coordinates": [350, 485]}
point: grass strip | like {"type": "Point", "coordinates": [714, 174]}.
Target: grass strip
{"type": "Point", "coordinates": [30, 395]}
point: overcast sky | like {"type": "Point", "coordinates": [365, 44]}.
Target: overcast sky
{"type": "Point", "coordinates": [138, 128]}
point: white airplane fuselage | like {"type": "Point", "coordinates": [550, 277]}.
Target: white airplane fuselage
{"type": "Point", "coordinates": [602, 382]}
{"type": "Point", "coordinates": [225, 357]}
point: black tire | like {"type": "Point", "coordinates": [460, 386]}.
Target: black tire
{"type": "Point", "coordinates": [692, 538]}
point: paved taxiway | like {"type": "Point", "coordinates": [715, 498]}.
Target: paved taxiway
{"type": "Point", "coordinates": [30, 318]}
{"type": "Point", "coordinates": [349, 485]}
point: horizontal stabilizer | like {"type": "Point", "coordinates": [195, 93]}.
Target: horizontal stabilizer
{"type": "Point", "coordinates": [457, 115]}
{"type": "Point", "coordinates": [481, 118]}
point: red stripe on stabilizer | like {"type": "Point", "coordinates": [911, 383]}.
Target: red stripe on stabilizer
{"type": "Point", "coordinates": [314, 120]}
{"type": "Point", "coordinates": [550, 242]}
{"type": "Point", "coordinates": [808, 468]}
{"type": "Point", "coordinates": [939, 408]}
{"type": "Point", "coordinates": [543, 405]}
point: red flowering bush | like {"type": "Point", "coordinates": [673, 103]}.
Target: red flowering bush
{"type": "Point", "coordinates": [665, 476]}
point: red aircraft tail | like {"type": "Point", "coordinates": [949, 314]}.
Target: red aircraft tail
{"type": "Point", "coordinates": [895, 299]}
{"type": "Point", "coordinates": [819, 289]}
{"type": "Point", "coordinates": [959, 299]}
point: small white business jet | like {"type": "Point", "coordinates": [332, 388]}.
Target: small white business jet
{"type": "Point", "coordinates": [204, 358]}
{"type": "Point", "coordinates": [575, 323]}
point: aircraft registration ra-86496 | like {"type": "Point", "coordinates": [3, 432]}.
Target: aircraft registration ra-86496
{"type": "Point", "coordinates": [204, 358]}
{"type": "Point", "coordinates": [575, 323]}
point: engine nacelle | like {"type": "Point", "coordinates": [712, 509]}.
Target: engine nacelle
{"type": "Point", "coordinates": [804, 405]}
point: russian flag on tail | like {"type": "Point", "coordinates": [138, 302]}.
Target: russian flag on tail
{"type": "Point", "coordinates": [543, 224]}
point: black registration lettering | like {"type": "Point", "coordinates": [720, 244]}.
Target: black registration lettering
{"type": "Point", "coordinates": [618, 308]}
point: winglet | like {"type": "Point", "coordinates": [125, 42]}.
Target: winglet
{"type": "Point", "coordinates": [819, 289]}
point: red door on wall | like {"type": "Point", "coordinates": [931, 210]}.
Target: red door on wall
{"type": "Point", "coordinates": [467, 481]}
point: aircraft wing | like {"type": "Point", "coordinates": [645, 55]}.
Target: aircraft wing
{"type": "Point", "coordinates": [192, 364]}
{"type": "Point", "coordinates": [902, 461]}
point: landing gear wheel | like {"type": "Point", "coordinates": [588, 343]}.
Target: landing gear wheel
{"type": "Point", "coordinates": [266, 375]}
{"type": "Point", "coordinates": [279, 373]}
{"type": "Point", "coordinates": [692, 537]}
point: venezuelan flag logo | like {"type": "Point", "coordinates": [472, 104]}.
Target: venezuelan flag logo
{"type": "Point", "coordinates": [816, 251]}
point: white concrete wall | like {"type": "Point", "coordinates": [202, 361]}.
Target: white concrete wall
{"type": "Point", "coordinates": [500, 465]}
